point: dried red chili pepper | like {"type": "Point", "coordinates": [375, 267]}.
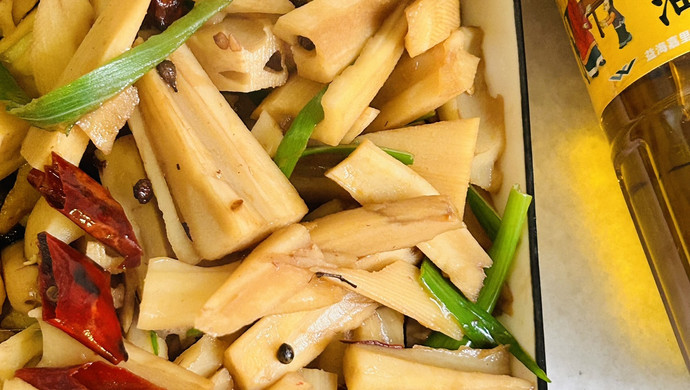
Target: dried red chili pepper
{"type": "Point", "coordinates": [88, 376]}
{"type": "Point", "coordinates": [88, 204]}
{"type": "Point", "coordinates": [77, 299]}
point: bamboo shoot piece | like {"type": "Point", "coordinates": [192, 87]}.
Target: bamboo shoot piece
{"type": "Point", "coordinates": [285, 103]}
{"type": "Point", "coordinates": [378, 261]}
{"type": "Point", "coordinates": [316, 295]}
{"type": "Point", "coordinates": [277, 7]}
{"type": "Point", "coordinates": [144, 339]}
{"type": "Point", "coordinates": [15, 53]}
{"type": "Point", "coordinates": [327, 36]}
{"type": "Point", "coordinates": [422, 84]}
{"type": "Point", "coordinates": [227, 190]}
{"type": "Point", "coordinates": [204, 357]}
{"type": "Point", "coordinates": [44, 218]}
{"type": "Point", "coordinates": [241, 54]}
{"type": "Point", "coordinates": [17, 384]}
{"type": "Point", "coordinates": [122, 172]}
{"type": "Point", "coordinates": [345, 236]}
{"type": "Point", "coordinates": [111, 34]}
{"type": "Point", "coordinates": [21, 280]}
{"type": "Point", "coordinates": [396, 286]}
{"type": "Point", "coordinates": [489, 361]}
{"type": "Point", "coordinates": [320, 379]}
{"type": "Point", "coordinates": [252, 359]}
{"type": "Point", "coordinates": [177, 236]}
{"type": "Point", "coordinates": [19, 201]}
{"type": "Point", "coordinates": [274, 264]}
{"type": "Point", "coordinates": [59, 348]}
{"type": "Point", "coordinates": [430, 22]}
{"type": "Point", "coordinates": [18, 350]}
{"type": "Point", "coordinates": [371, 175]}
{"type": "Point", "coordinates": [59, 30]}
{"type": "Point", "coordinates": [385, 325]}
{"type": "Point", "coordinates": [162, 372]}
{"type": "Point", "coordinates": [491, 137]}
{"type": "Point", "coordinates": [174, 292]}
{"type": "Point", "coordinates": [291, 381]}
{"type": "Point", "coordinates": [350, 93]}
{"type": "Point", "coordinates": [222, 380]}
{"type": "Point", "coordinates": [12, 133]}
{"type": "Point", "coordinates": [372, 367]}
{"type": "Point", "coordinates": [268, 132]}
{"type": "Point", "coordinates": [364, 120]}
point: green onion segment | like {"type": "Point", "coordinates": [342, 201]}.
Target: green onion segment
{"type": "Point", "coordinates": [479, 326]}
{"type": "Point", "coordinates": [154, 342]}
{"type": "Point", "coordinates": [65, 105]}
{"type": "Point", "coordinates": [402, 156]}
{"type": "Point", "coordinates": [10, 92]}
{"type": "Point", "coordinates": [486, 215]}
{"type": "Point", "coordinates": [503, 249]}
{"type": "Point", "coordinates": [295, 141]}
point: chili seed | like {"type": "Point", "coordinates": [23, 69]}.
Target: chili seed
{"type": "Point", "coordinates": [52, 293]}
{"type": "Point", "coordinates": [285, 353]}
{"type": "Point", "coordinates": [274, 63]}
{"type": "Point", "coordinates": [221, 40]}
{"type": "Point", "coordinates": [168, 73]}
{"type": "Point", "coordinates": [143, 192]}
{"type": "Point", "coordinates": [306, 43]}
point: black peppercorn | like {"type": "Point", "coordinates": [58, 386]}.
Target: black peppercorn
{"type": "Point", "coordinates": [274, 63]}
{"type": "Point", "coordinates": [143, 192]}
{"type": "Point", "coordinates": [168, 73]}
{"type": "Point", "coordinates": [285, 353]}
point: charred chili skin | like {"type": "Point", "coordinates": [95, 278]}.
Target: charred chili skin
{"type": "Point", "coordinates": [88, 376]}
{"type": "Point", "coordinates": [89, 205]}
{"type": "Point", "coordinates": [77, 299]}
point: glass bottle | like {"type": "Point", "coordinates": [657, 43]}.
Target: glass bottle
{"type": "Point", "coordinates": [635, 58]}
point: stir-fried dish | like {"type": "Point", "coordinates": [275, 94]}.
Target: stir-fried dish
{"type": "Point", "coordinates": [251, 194]}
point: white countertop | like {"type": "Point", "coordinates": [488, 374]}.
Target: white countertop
{"type": "Point", "coordinates": [604, 322]}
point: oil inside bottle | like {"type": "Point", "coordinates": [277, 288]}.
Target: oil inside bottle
{"type": "Point", "coordinates": [648, 127]}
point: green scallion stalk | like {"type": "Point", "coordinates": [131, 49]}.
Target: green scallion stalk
{"type": "Point", "coordinates": [194, 332]}
{"type": "Point", "coordinates": [10, 92]}
{"type": "Point", "coordinates": [502, 253]}
{"type": "Point", "coordinates": [402, 156]}
{"type": "Point", "coordinates": [503, 249]}
{"type": "Point", "coordinates": [479, 326]}
{"type": "Point", "coordinates": [486, 215]}
{"type": "Point", "coordinates": [154, 342]}
{"type": "Point", "coordinates": [65, 105]}
{"type": "Point", "coordinates": [295, 141]}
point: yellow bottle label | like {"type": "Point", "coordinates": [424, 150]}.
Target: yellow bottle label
{"type": "Point", "coordinates": [617, 43]}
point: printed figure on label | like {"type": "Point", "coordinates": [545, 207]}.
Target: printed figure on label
{"type": "Point", "coordinates": [615, 18]}
{"type": "Point", "coordinates": [583, 40]}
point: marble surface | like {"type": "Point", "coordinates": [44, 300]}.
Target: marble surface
{"type": "Point", "coordinates": [604, 321]}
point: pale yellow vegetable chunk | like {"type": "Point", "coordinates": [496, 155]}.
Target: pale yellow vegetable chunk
{"type": "Point", "coordinates": [21, 280]}
{"type": "Point", "coordinates": [419, 85]}
{"type": "Point", "coordinates": [60, 27]}
{"type": "Point", "coordinates": [204, 357]}
{"type": "Point", "coordinates": [291, 381]}
{"type": "Point", "coordinates": [345, 236]}
{"type": "Point", "coordinates": [268, 132]}
{"type": "Point", "coordinates": [385, 325]}
{"type": "Point", "coordinates": [397, 286]}
{"type": "Point", "coordinates": [429, 23]}
{"type": "Point", "coordinates": [252, 360]}
{"type": "Point", "coordinates": [239, 195]}
{"type": "Point", "coordinates": [371, 367]}
{"type": "Point", "coordinates": [337, 31]}
{"type": "Point", "coordinates": [122, 170]}
{"type": "Point", "coordinates": [174, 292]}
{"type": "Point", "coordinates": [18, 350]}
{"type": "Point", "coordinates": [19, 201]}
{"type": "Point", "coordinates": [12, 133]}
{"type": "Point", "coordinates": [350, 92]}
{"type": "Point", "coordinates": [320, 379]}
{"type": "Point", "coordinates": [44, 218]}
{"type": "Point", "coordinates": [179, 241]}
{"type": "Point", "coordinates": [241, 54]}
